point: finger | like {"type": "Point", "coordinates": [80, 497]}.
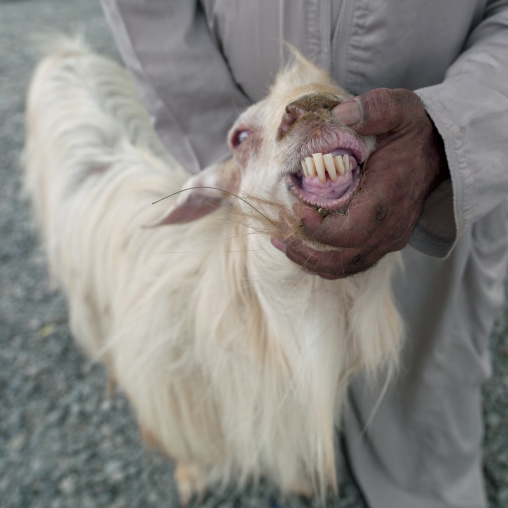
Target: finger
{"type": "Point", "coordinates": [310, 259]}
{"type": "Point", "coordinates": [379, 111]}
{"type": "Point", "coordinates": [335, 230]}
{"type": "Point", "coordinates": [366, 213]}
{"type": "Point", "coordinates": [332, 265]}
{"type": "Point", "coordinates": [327, 264]}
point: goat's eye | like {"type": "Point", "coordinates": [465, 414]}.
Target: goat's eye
{"type": "Point", "coordinates": [240, 137]}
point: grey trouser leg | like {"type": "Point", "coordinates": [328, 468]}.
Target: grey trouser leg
{"type": "Point", "coordinates": [422, 447]}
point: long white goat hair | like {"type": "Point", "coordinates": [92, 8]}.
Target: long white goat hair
{"type": "Point", "coordinates": [235, 360]}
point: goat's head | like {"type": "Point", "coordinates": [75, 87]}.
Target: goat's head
{"type": "Point", "coordinates": [287, 149]}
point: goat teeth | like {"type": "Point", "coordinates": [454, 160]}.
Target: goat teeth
{"type": "Point", "coordinates": [320, 167]}
{"type": "Point", "coordinates": [347, 165]}
{"type": "Point", "coordinates": [304, 169]}
{"type": "Point", "coordinates": [330, 166]}
{"type": "Point", "coordinates": [310, 166]}
{"type": "Point", "coordinates": [339, 165]}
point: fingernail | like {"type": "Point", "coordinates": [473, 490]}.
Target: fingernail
{"type": "Point", "coordinates": [279, 245]}
{"type": "Point", "coordinates": [310, 272]}
{"type": "Point", "coordinates": [349, 112]}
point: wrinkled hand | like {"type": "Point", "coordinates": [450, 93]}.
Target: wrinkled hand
{"type": "Point", "coordinates": [408, 164]}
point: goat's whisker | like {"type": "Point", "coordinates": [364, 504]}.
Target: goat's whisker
{"type": "Point", "coordinates": [218, 189]}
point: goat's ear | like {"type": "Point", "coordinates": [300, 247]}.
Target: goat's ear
{"type": "Point", "coordinates": [205, 193]}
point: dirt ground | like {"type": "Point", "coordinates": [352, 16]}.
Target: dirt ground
{"type": "Point", "coordinates": [64, 442]}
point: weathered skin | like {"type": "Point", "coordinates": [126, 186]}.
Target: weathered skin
{"type": "Point", "coordinates": [408, 164]}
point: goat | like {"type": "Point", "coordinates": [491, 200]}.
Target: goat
{"type": "Point", "coordinates": [235, 360]}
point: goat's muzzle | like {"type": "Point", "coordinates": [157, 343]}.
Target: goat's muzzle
{"type": "Point", "coordinates": [317, 103]}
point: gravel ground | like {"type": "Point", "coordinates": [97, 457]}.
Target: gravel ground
{"type": "Point", "coordinates": [64, 441]}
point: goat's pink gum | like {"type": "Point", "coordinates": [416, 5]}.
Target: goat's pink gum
{"type": "Point", "coordinates": [312, 198]}
{"type": "Point", "coordinates": [328, 189]}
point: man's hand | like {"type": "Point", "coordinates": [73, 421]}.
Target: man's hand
{"type": "Point", "coordinates": [408, 164]}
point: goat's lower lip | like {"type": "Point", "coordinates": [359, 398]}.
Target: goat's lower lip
{"type": "Point", "coordinates": [325, 201]}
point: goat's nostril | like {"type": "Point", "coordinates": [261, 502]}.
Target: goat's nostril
{"type": "Point", "coordinates": [296, 110]}
{"type": "Point", "coordinates": [307, 104]}
{"type": "Point", "coordinates": [316, 102]}
{"type": "Point", "coordinates": [289, 117]}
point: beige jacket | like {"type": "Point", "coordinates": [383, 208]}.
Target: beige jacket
{"type": "Point", "coordinates": [198, 64]}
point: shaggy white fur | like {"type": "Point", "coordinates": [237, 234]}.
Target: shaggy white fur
{"type": "Point", "coordinates": [234, 359]}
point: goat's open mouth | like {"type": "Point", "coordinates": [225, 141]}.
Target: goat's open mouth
{"type": "Point", "coordinates": [328, 181]}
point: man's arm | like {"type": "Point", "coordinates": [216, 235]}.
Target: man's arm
{"type": "Point", "coordinates": [469, 110]}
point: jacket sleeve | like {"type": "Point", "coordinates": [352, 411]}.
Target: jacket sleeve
{"type": "Point", "coordinates": [470, 111]}
{"type": "Point", "coordinates": [183, 78]}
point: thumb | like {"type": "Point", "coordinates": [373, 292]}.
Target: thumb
{"type": "Point", "coordinates": [378, 111]}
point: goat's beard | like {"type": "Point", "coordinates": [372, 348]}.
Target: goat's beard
{"type": "Point", "coordinates": [277, 220]}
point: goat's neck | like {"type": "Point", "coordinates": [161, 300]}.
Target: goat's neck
{"type": "Point", "coordinates": [272, 298]}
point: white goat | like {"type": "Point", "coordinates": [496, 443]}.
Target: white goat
{"type": "Point", "coordinates": [235, 360]}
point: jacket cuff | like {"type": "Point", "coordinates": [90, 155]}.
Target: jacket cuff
{"type": "Point", "coordinates": [435, 232]}
{"type": "Point", "coordinates": [445, 211]}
